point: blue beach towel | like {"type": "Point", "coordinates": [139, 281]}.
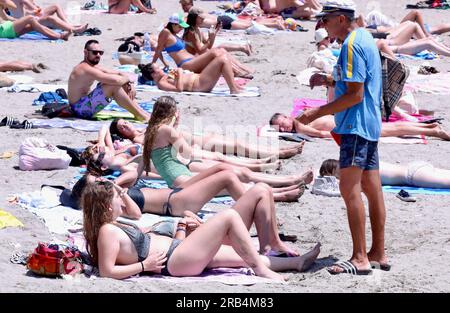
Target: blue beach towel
{"type": "Point", "coordinates": [35, 36]}
{"type": "Point", "coordinates": [417, 190]}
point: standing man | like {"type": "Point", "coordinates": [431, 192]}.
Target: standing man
{"type": "Point", "coordinates": [85, 103]}
{"type": "Point", "coordinates": [357, 81]}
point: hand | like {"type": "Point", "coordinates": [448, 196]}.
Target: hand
{"type": "Point", "coordinates": [317, 79]}
{"type": "Point", "coordinates": [154, 261]}
{"type": "Point", "coordinates": [308, 116]}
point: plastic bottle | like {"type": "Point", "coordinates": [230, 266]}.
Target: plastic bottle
{"type": "Point", "coordinates": [147, 46]}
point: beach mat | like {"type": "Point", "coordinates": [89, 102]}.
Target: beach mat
{"type": "Point", "coordinates": [33, 36]}
{"type": "Point", "coordinates": [417, 190]}
{"type": "Point", "coordinates": [74, 123]}
{"type": "Point", "coordinates": [218, 91]}
{"type": "Point", "coordinates": [35, 87]}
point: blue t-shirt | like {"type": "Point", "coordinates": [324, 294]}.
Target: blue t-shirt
{"type": "Point", "coordinates": [359, 61]}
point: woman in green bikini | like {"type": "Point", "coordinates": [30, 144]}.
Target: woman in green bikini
{"type": "Point", "coordinates": [161, 138]}
{"type": "Point", "coordinates": [13, 28]}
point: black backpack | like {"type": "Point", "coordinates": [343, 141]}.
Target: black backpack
{"type": "Point", "coordinates": [57, 109]}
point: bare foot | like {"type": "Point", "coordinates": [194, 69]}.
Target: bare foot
{"type": "Point", "coordinates": [266, 272]}
{"type": "Point", "coordinates": [80, 29]}
{"type": "Point", "coordinates": [248, 49]}
{"type": "Point", "coordinates": [307, 259]}
{"type": "Point", "coordinates": [307, 177]}
{"type": "Point", "coordinates": [289, 196]}
{"type": "Point", "coordinates": [282, 247]}
{"type": "Point", "coordinates": [65, 35]}
{"type": "Point", "coordinates": [441, 133]}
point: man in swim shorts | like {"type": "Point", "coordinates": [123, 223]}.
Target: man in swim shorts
{"type": "Point", "coordinates": [111, 84]}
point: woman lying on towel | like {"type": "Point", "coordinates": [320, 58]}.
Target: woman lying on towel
{"type": "Point", "coordinates": [163, 144]}
{"type": "Point", "coordinates": [169, 42]}
{"type": "Point", "coordinates": [13, 28]}
{"type": "Point", "coordinates": [179, 80]}
{"type": "Point", "coordinates": [198, 43]}
{"type": "Point", "coordinates": [122, 156]}
{"type": "Point", "coordinates": [322, 127]}
{"type": "Point", "coordinates": [256, 205]}
{"type": "Point", "coordinates": [123, 6]}
{"type": "Point", "coordinates": [122, 251]}
{"type": "Point", "coordinates": [210, 142]}
{"type": "Point", "coordinates": [291, 8]}
{"type": "Point", "coordinates": [416, 174]}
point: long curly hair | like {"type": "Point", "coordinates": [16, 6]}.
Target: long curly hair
{"type": "Point", "coordinates": [164, 110]}
{"type": "Point", "coordinates": [95, 202]}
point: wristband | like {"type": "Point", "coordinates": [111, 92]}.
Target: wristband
{"type": "Point", "coordinates": [142, 265]}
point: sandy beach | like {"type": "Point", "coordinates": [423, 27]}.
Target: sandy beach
{"type": "Point", "coordinates": [417, 234]}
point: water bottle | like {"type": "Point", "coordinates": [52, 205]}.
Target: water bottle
{"type": "Point", "coordinates": [147, 46]}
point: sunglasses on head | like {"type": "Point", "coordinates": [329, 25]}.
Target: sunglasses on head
{"type": "Point", "coordinates": [95, 52]}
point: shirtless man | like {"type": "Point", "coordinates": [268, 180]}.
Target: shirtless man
{"type": "Point", "coordinates": [122, 6]}
{"type": "Point", "coordinates": [51, 16]}
{"type": "Point", "coordinates": [295, 8]}
{"type": "Point", "coordinates": [322, 127]}
{"type": "Point", "coordinates": [111, 85]}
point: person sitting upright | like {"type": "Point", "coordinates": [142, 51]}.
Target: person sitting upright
{"type": "Point", "coordinates": [111, 85]}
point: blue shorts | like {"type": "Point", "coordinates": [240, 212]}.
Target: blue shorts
{"type": "Point", "coordinates": [360, 152]}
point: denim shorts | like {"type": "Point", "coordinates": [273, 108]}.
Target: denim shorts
{"type": "Point", "coordinates": [360, 152]}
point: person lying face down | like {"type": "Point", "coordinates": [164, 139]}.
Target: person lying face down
{"type": "Point", "coordinates": [121, 250]}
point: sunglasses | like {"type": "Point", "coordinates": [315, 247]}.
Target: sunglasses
{"type": "Point", "coordinates": [95, 52]}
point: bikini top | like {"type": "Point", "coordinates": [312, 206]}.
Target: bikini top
{"type": "Point", "coordinates": [177, 46]}
{"type": "Point", "coordinates": [140, 240]}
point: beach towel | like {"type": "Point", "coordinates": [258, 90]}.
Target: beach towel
{"type": "Point", "coordinates": [34, 36]}
{"type": "Point", "coordinates": [417, 190]}
{"type": "Point", "coordinates": [113, 110]}
{"type": "Point", "coordinates": [423, 55]}
{"type": "Point", "coordinates": [35, 87]}
{"type": "Point", "coordinates": [79, 124]}
{"type": "Point", "coordinates": [437, 84]}
{"type": "Point", "coordinates": [218, 91]}
{"type": "Point", "coordinates": [9, 220]}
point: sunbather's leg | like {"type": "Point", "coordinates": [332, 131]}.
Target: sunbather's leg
{"type": "Point", "coordinates": [194, 196]}
{"type": "Point", "coordinates": [416, 17]}
{"type": "Point", "coordinates": [440, 29]}
{"type": "Point", "coordinates": [56, 22]}
{"type": "Point", "coordinates": [384, 47]}
{"type": "Point", "coordinates": [15, 66]}
{"type": "Point", "coordinates": [240, 24]}
{"type": "Point", "coordinates": [55, 9]}
{"type": "Point", "coordinates": [206, 242]}
{"type": "Point", "coordinates": [28, 23]}
{"type": "Point", "coordinates": [257, 206]}
{"type": "Point", "coordinates": [124, 101]}
{"type": "Point", "coordinates": [411, 129]}
{"type": "Point", "coordinates": [235, 47]}
{"type": "Point", "coordinates": [211, 73]}
{"type": "Point", "coordinates": [404, 32]}
{"type": "Point", "coordinates": [273, 180]}
{"type": "Point", "coordinates": [119, 6]}
{"type": "Point", "coordinates": [198, 63]}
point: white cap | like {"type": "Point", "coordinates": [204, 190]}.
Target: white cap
{"type": "Point", "coordinates": [320, 35]}
{"type": "Point", "coordinates": [341, 6]}
{"type": "Point", "coordinates": [177, 18]}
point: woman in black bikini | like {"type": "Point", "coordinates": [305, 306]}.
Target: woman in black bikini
{"type": "Point", "coordinates": [122, 251]}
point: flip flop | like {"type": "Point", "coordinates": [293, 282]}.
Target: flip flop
{"type": "Point", "coordinates": [24, 125]}
{"type": "Point", "coordinates": [377, 265]}
{"type": "Point", "coordinates": [8, 121]}
{"type": "Point", "coordinates": [348, 268]}
{"type": "Point", "coordinates": [290, 238]}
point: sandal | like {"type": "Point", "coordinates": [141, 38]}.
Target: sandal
{"type": "Point", "coordinates": [348, 268]}
{"type": "Point", "coordinates": [8, 121]}
{"type": "Point", "coordinates": [24, 125]}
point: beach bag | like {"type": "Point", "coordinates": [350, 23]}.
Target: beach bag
{"type": "Point", "coordinates": [394, 74]}
{"type": "Point", "coordinates": [38, 154]}
{"type": "Point", "coordinates": [55, 260]}
{"type": "Point", "coordinates": [57, 109]}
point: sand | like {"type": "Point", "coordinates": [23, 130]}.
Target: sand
{"type": "Point", "coordinates": [417, 234]}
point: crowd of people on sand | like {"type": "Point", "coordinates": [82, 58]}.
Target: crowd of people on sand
{"type": "Point", "coordinates": [198, 168]}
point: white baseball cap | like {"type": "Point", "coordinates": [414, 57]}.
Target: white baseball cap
{"type": "Point", "coordinates": [320, 35]}
{"type": "Point", "coordinates": [337, 6]}
{"type": "Point", "coordinates": [177, 18]}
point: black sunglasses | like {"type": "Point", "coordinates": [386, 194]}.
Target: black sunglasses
{"type": "Point", "coordinates": [95, 52]}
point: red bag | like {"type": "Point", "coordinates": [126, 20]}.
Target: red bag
{"type": "Point", "coordinates": [54, 260]}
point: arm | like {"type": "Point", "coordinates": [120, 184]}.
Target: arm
{"type": "Point", "coordinates": [130, 208]}
{"type": "Point", "coordinates": [353, 95]}
{"type": "Point", "coordinates": [162, 40]}
{"type": "Point", "coordinates": [177, 140]}
{"type": "Point", "coordinates": [163, 84]}
{"type": "Point", "coordinates": [105, 78]}
{"type": "Point", "coordinates": [6, 17]}
{"type": "Point", "coordinates": [198, 45]}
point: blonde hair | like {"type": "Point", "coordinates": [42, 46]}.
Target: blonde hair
{"type": "Point", "coordinates": [95, 202]}
{"type": "Point", "coordinates": [164, 111]}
